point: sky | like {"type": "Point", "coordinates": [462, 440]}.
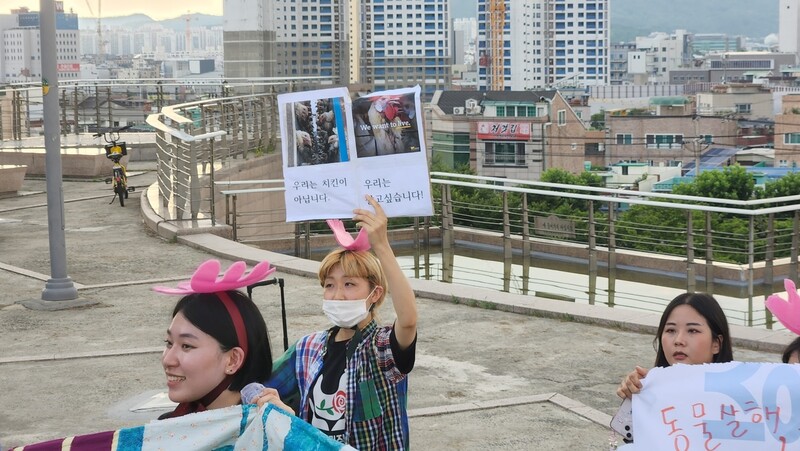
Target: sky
{"type": "Point", "coordinates": [156, 9]}
{"type": "Point", "coordinates": [169, 9]}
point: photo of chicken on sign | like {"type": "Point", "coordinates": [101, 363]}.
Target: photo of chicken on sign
{"type": "Point", "coordinates": [385, 125]}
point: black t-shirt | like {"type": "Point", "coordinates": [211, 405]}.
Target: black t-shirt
{"type": "Point", "coordinates": [327, 398]}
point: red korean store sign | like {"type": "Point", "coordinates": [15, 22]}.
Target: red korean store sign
{"type": "Point", "coordinates": [68, 67]}
{"type": "Point", "coordinates": [517, 131]}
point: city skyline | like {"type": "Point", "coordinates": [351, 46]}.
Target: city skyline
{"type": "Point", "coordinates": [156, 9]}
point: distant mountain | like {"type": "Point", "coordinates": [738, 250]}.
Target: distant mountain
{"type": "Point", "coordinates": [752, 18]}
{"type": "Point", "coordinates": [139, 20]}
{"type": "Point", "coordinates": [631, 18]}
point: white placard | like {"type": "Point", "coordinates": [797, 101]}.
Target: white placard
{"type": "Point", "coordinates": [335, 151]}
{"type": "Point", "coordinates": [723, 406]}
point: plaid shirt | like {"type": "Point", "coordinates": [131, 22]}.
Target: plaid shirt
{"type": "Point", "coordinates": [300, 365]}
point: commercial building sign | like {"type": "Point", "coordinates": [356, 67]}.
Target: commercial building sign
{"type": "Point", "coordinates": [554, 226]}
{"type": "Point", "coordinates": [516, 131]}
{"type": "Point", "coordinates": [68, 67]}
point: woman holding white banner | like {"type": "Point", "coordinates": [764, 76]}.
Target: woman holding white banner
{"type": "Point", "coordinates": [693, 330]}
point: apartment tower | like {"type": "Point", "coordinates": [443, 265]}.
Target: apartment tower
{"type": "Point", "coordinates": [534, 44]}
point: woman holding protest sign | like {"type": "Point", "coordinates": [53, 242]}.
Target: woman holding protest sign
{"type": "Point", "coordinates": [352, 378]}
{"type": "Point", "coordinates": [693, 330]}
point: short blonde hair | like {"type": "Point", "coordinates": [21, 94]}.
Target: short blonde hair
{"type": "Point", "coordinates": [355, 264]}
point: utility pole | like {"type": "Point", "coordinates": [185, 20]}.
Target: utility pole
{"type": "Point", "coordinates": [59, 287]}
{"type": "Point", "coordinates": [697, 145]}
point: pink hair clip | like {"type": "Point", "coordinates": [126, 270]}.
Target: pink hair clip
{"type": "Point", "coordinates": [361, 243]}
{"type": "Point", "coordinates": [787, 312]}
{"type": "Point", "coordinates": [205, 278]}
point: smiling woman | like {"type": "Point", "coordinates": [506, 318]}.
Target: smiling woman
{"type": "Point", "coordinates": [205, 361]}
{"type": "Point", "coordinates": [217, 341]}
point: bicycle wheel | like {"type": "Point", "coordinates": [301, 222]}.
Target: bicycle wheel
{"type": "Point", "coordinates": [120, 191]}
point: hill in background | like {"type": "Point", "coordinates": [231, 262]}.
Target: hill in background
{"type": "Point", "coordinates": [630, 18]}
{"type": "Point", "coordinates": [140, 20]}
{"type": "Point", "coordinates": [752, 18]}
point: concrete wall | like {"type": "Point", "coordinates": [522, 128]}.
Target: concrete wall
{"type": "Point", "coordinates": [79, 163]}
{"type": "Point", "coordinates": [11, 178]}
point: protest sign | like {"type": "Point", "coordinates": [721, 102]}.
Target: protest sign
{"type": "Point", "coordinates": [724, 406]}
{"type": "Point", "coordinates": [335, 151]}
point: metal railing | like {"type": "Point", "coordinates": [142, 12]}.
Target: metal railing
{"type": "Point", "coordinates": [746, 263]}
{"type": "Point", "coordinates": [703, 243]}
{"type": "Point", "coordinates": [196, 139]}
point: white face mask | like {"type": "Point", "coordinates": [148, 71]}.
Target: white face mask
{"type": "Point", "coordinates": [344, 313]}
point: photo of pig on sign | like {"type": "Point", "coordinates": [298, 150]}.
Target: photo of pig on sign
{"type": "Point", "coordinates": [337, 150]}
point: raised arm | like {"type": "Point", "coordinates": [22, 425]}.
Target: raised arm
{"type": "Point", "coordinates": [403, 298]}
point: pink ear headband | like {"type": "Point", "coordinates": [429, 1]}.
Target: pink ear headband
{"type": "Point", "coordinates": [787, 312]}
{"type": "Point", "coordinates": [361, 243]}
{"type": "Point", "coordinates": [205, 280]}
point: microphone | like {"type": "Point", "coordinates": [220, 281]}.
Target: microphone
{"type": "Point", "coordinates": [251, 391]}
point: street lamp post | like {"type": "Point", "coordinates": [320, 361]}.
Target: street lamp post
{"type": "Point", "coordinates": [59, 287]}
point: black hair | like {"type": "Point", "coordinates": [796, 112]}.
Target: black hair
{"type": "Point", "coordinates": [708, 308]}
{"type": "Point", "coordinates": [793, 347]}
{"type": "Point", "coordinates": [207, 312]}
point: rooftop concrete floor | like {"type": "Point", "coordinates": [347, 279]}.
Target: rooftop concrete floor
{"type": "Point", "coordinates": [518, 373]}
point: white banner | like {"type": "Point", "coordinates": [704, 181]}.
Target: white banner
{"type": "Point", "coordinates": [335, 151]}
{"type": "Point", "coordinates": [723, 406]}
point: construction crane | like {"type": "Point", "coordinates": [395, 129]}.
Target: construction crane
{"type": "Point", "coordinates": [494, 34]}
{"type": "Point", "coordinates": [101, 44]}
{"type": "Point", "coordinates": [188, 33]}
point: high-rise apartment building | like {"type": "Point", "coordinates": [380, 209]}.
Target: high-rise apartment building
{"type": "Point", "coordinates": [20, 52]}
{"type": "Point", "coordinates": [287, 38]}
{"type": "Point", "coordinates": [532, 44]}
{"type": "Point", "coordinates": [384, 44]}
{"type": "Point", "coordinates": [465, 34]}
{"type": "Point", "coordinates": [789, 26]}
{"type": "Point", "coordinates": [402, 43]}
{"type": "Point", "coordinates": [665, 52]}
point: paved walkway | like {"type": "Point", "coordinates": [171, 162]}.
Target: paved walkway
{"type": "Point", "coordinates": [520, 373]}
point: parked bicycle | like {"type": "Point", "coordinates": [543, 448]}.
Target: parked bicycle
{"type": "Point", "coordinates": [115, 150]}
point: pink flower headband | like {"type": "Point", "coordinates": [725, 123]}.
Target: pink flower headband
{"type": "Point", "coordinates": [360, 243]}
{"type": "Point", "coordinates": [205, 280]}
{"type": "Point", "coordinates": [787, 312]}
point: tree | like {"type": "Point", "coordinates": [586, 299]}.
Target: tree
{"type": "Point", "coordinates": [731, 183]}
{"type": "Point", "coordinates": [788, 185]}
{"type": "Point", "coordinates": [563, 205]}
{"type": "Point", "coordinates": [598, 121]}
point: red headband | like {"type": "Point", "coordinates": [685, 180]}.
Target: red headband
{"type": "Point", "coordinates": [236, 317]}
{"type": "Point", "coordinates": [206, 280]}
